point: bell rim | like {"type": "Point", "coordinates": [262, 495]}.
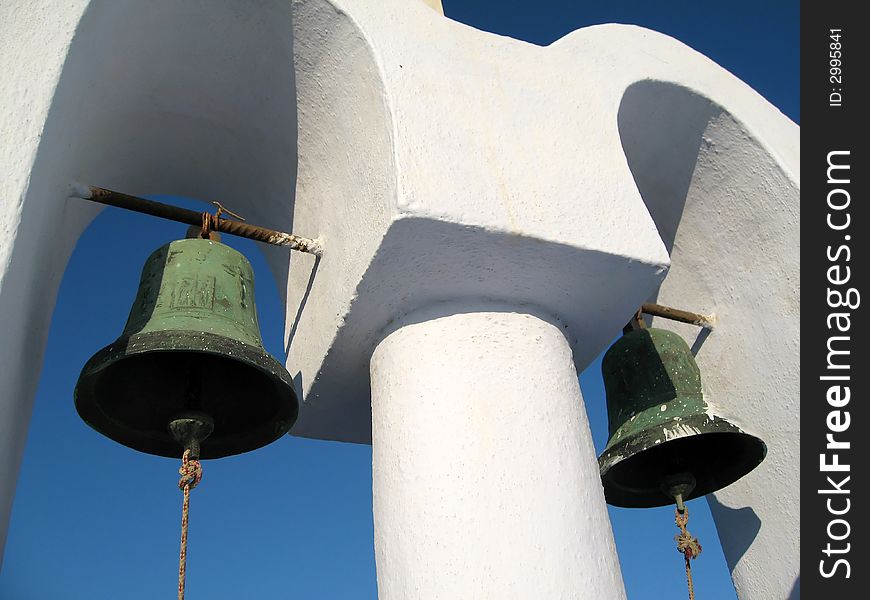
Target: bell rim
{"type": "Point", "coordinates": [706, 425]}
{"type": "Point", "coordinates": [181, 341]}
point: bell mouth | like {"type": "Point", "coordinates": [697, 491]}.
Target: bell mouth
{"type": "Point", "coordinates": [130, 391]}
{"type": "Point", "coordinates": [713, 450]}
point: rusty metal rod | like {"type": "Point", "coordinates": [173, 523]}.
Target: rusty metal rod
{"type": "Point", "coordinates": [675, 314]}
{"type": "Point", "coordinates": [192, 217]}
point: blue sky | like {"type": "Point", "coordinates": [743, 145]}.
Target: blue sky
{"type": "Point", "coordinates": [95, 520]}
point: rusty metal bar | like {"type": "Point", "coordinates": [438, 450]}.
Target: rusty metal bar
{"type": "Point", "coordinates": [192, 217]}
{"type": "Point", "coordinates": [683, 316]}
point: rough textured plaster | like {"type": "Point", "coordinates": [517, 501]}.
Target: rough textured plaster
{"type": "Point", "coordinates": [762, 148]}
{"type": "Point", "coordinates": [522, 148]}
{"type": "Point", "coordinates": [486, 191]}
{"type": "Point", "coordinates": [435, 5]}
{"type": "Point", "coordinates": [484, 473]}
{"type": "Point", "coordinates": [731, 215]}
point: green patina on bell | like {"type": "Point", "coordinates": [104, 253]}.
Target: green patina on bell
{"type": "Point", "coordinates": [191, 345]}
{"type": "Point", "coordinates": [662, 430]}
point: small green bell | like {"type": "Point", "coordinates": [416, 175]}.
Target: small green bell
{"type": "Point", "coordinates": [664, 436]}
{"type": "Point", "coordinates": [191, 353]}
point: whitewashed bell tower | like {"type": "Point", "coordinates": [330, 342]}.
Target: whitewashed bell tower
{"type": "Point", "coordinates": [491, 213]}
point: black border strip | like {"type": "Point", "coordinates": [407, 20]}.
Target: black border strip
{"type": "Point", "coordinates": [834, 259]}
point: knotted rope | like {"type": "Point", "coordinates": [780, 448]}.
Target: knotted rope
{"type": "Point", "coordinates": [687, 545]}
{"type": "Point", "coordinates": [191, 475]}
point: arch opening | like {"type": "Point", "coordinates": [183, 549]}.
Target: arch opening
{"type": "Point", "coordinates": [128, 114]}
{"type": "Point", "coordinates": [246, 527]}
{"type": "Point", "coordinates": [728, 211]}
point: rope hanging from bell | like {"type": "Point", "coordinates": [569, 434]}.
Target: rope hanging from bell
{"type": "Point", "coordinates": [191, 475]}
{"type": "Point", "coordinates": [189, 430]}
{"type": "Point", "coordinates": [687, 544]}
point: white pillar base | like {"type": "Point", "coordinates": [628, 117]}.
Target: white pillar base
{"type": "Point", "coordinates": [485, 479]}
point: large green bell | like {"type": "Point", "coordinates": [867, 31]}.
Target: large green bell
{"type": "Point", "coordinates": [191, 346]}
{"type": "Point", "coordinates": [664, 435]}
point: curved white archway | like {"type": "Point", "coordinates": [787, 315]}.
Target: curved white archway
{"type": "Point", "coordinates": [493, 191]}
{"type": "Point", "coordinates": [729, 215]}
{"type": "Point", "coordinates": [197, 99]}
{"type": "Point", "coordinates": [106, 518]}
{"type": "Point", "coordinates": [128, 114]}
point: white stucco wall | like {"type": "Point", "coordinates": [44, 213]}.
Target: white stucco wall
{"type": "Point", "coordinates": [488, 192]}
{"type": "Point", "coordinates": [557, 178]}
{"type": "Point", "coordinates": [735, 213]}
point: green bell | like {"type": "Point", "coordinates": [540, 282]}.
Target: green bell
{"type": "Point", "coordinates": [191, 353]}
{"type": "Point", "coordinates": [664, 436]}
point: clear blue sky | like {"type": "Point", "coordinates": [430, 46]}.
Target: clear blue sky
{"type": "Point", "coordinates": [94, 520]}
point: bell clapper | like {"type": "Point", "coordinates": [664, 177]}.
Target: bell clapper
{"type": "Point", "coordinates": [189, 429]}
{"type": "Point", "coordinates": [679, 487]}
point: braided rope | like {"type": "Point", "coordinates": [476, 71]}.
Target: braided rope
{"type": "Point", "coordinates": [687, 545]}
{"type": "Point", "coordinates": [191, 475]}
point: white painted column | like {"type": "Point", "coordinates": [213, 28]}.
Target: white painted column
{"type": "Point", "coordinates": [485, 478]}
